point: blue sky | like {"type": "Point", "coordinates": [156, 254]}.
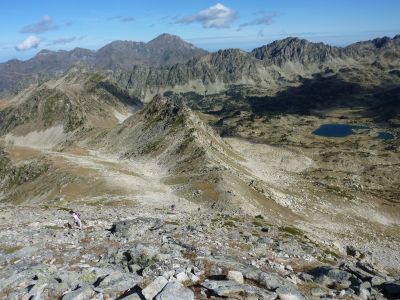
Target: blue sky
{"type": "Point", "coordinates": [26, 27]}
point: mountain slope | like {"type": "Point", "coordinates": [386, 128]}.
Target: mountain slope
{"type": "Point", "coordinates": [77, 102]}
{"type": "Point", "coordinates": [164, 50]}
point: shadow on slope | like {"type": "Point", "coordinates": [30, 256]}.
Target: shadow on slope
{"type": "Point", "coordinates": [320, 93]}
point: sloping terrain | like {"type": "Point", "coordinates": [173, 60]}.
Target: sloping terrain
{"type": "Point", "coordinates": [70, 105]}
{"type": "Point", "coordinates": [220, 172]}
{"type": "Point", "coordinates": [164, 50]}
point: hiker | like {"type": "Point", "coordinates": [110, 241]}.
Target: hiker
{"type": "Point", "coordinates": [77, 218]}
{"type": "Point", "coordinates": [172, 207]}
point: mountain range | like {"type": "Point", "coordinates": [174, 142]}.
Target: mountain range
{"type": "Point", "coordinates": [169, 63]}
{"type": "Point", "coordinates": [165, 49]}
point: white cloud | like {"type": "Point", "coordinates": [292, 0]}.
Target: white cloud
{"type": "Point", "coordinates": [122, 19]}
{"type": "Point", "coordinates": [45, 24]}
{"type": "Point", "coordinates": [217, 16]}
{"type": "Point", "coordinates": [264, 19]}
{"type": "Point", "coordinates": [29, 43]}
{"type": "Point", "coordinates": [63, 41]}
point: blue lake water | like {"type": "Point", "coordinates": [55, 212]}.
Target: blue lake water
{"type": "Point", "coordinates": [385, 136]}
{"type": "Point", "coordinates": [337, 130]}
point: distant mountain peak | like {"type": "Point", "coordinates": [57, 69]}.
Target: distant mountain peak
{"type": "Point", "coordinates": [170, 40]}
{"type": "Point", "coordinates": [44, 51]}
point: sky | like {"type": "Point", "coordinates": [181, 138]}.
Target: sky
{"type": "Point", "coordinates": [26, 27]}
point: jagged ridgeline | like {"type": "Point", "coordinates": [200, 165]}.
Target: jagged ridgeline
{"type": "Point", "coordinates": [165, 128]}
{"type": "Point", "coordinates": [271, 68]}
{"type": "Point", "coordinates": [164, 50]}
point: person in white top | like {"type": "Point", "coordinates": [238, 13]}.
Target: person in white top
{"type": "Point", "coordinates": [77, 218]}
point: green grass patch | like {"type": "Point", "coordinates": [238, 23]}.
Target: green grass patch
{"type": "Point", "coordinates": [53, 227]}
{"type": "Point", "coordinates": [172, 222]}
{"type": "Point", "coordinates": [10, 249]}
{"type": "Point", "coordinates": [152, 146]}
{"type": "Point", "coordinates": [229, 223]}
{"type": "Point", "coordinates": [331, 253]}
{"type": "Point", "coordinates": [291, 230]}
{"type": "Point", "coordinates": [257, 223]}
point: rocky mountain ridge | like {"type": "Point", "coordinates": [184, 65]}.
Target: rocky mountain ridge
{"type": "Point", "coordinates": [164, 50]}
{"type": "Point", "coordinates": [271, 68]}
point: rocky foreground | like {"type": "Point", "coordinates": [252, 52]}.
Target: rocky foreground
{"type": "Point", "coordinates": [204, 253]}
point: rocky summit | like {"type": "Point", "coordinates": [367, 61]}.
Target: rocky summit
{"type": "Point", "coordinates": [161, 171]}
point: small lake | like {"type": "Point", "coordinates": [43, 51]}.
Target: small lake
{"type": "Point", "coordinates": [337, 130]}
{"type": "Point", "coordinates": [385, 136]}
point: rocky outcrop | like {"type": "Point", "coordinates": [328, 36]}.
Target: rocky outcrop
{"type": "Point", "coordinates": [61, 263]}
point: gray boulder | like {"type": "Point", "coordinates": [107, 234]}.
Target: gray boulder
{"type": "Point", "coordinates": [151, 290]}
{"type": "Point", "coordinates": [132, 297]}
{"type": "Point", "coordinates": [289, 293]}
{"type": "Point", "coordinates": [229, 288]}
{"type": "Point", "coordinates": [175, 291]}
{"type": "Point", "coordinates": [332, 273]}
{"type": "Point", "coordinates": [271, 281]}
{"type": "Point", "coordinates": [136, 227]}
{"type": "Point", "coordinates": [82, 293]}
{"type": "Point", "coordinates": [117, 282]}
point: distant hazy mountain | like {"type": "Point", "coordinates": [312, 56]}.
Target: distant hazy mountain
{"type": "Point", "coordinates": [164, 50]}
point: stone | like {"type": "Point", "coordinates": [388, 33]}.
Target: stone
{"type": "Point", "coordinates": [141, 255]}
{"type": "Point", "coordinates": [333, 273]}
{"type": "Point", "coordinates": [360, 273]}
{"type": "Point", "coordinates": [324, 280]}
{"type": "Point", "coordinates": [265, 240]}
{"type": "Point", "coordinates": [306, 277]}
{"type": "Point", "coordinates": [365, 285]}
{"type": "Point", "coordinates": [317, 292]}
{"type": "Point", "coordinates": [151, 290]}
{"type": "Point", "coordinates": [193, 278]}
{"type": "Point", "coordinates": [117, 282]}
{"type": "Point", "coordinates": [216, 271]}
{"type": "Point", "coordinates": [132, 297]}
{"type": "Point", "coordinates": [235, 276]}
{"type": "Point", "coordinates": [364, 293]}
{"type": "Point", "coordinates": [135, 227]}
{"type": "Point", "coordinates": [182, 277]}
{"type": "Point", "coordinates": [289, 293]}
{"type": "Point", "coordinates": [224, 287]}
{"type": "Point", "coordinates": [270, 281]}
{"type": "Point", "coordinates": [175, 291]}
{"type": "Point", "coordinates": [350, 250]}
{"type": "Point", "coordinates": [82, 293]}
{"type": "Point", "coordinates": [377, 281]}
{"type": "Point", "coordinates": [227, 288]}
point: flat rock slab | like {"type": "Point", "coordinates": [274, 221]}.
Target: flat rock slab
{"type": "Point", "coordinates": [289, 293]}
{"type": "Point", "coordinates": [151, 290]}
{"type": "Point", "coordinates": [225, 288]}
{"type": "Point", "coordinates": [83, 293]}
{"type": "Point", "coordinates": [175, 291]}
{"type": "Point", "coordinates": [118, 282]}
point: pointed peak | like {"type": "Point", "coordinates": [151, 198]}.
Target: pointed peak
{"type": "Point", "coordinates": [166, 37]}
